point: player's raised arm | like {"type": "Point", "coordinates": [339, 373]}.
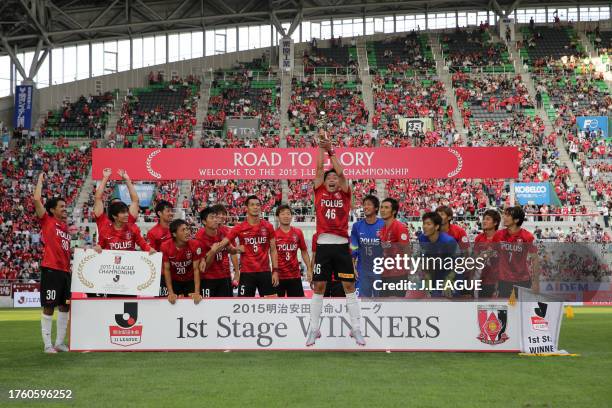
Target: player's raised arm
{"type": "Point", "coordinates": [38, 205]}
{"type": "Point", "coordinates": [320, 174]}
{"type": "Point", "coordinates": [98, 208]}
{"type": "Point", "coordinates": [135, 204]}
{"type": "Point", "coordinates": [342, 182]}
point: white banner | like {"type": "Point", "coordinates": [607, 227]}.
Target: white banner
{"type": "Point", "coordinates": [285, 55]}
{"type": "Point", "coordinates": [411, 125]}
{"type": "Point", "coordinates": [541, 322]}
{"type": "Point", "coordinates": [26, 299]}
{"type": "Point", "coordinates": [116, 272]}
{"type": "Point", "coordinates": [281, 324]}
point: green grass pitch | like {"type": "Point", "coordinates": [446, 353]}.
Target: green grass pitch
{"type": "Point", "coordinates": [313, 379]}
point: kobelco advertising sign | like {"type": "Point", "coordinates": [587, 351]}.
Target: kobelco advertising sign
{"type": "Point", "coordinates": [533, 193]}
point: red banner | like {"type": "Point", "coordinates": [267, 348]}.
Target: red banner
{"type": "Point", "coordinates": [291, 164]}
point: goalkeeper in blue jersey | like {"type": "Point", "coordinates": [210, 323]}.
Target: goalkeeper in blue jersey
{"type": "Point", "coordinates": [365, 246]}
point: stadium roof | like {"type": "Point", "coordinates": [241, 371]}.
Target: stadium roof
{"type": "Point", "coordinates": [28, 24]}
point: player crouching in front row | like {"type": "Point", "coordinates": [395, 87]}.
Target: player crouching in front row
{"type": "Point", "coordinates": [181, 257]}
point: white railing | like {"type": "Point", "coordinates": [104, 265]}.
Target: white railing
{"type": "Point", "coordinates": [350, 73]}
{"type": "Point", "coordinates": [258, 75]}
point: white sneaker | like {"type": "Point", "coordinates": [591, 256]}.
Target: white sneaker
{"type": "Point", "coordinates": [61, 347]}
{"type": "Point", "coordinates": [50, 350]}
{"type": "Point", "coordinates": [359, 339]}
{"type": "Point", "coordinates": [313, 335]}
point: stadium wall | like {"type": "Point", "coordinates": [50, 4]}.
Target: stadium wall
{"type": "Point", "coordinates": [53, 96]}
{"type": "Point", "coordinates": [6, 110]}
{"type": "Point", "coordinates": [50, 98]}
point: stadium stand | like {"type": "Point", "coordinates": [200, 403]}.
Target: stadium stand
{"type": "Point", "coordinates": [87, 117]}
{"type": "Point", "coordinates": [408, 55]}
{"type": "Point", "coordinates": [243, 93]}
{"type": "Point", "coordinates": [601, 40]}
{"type": "Point", "coordinates": [414, 97]}
{"type": "Point", "coordinates": [162, 114]}
{"type": "Point", "coordinates": [336, 59]}
{"type": "Point", "coordinates": [466, 51]}
{"type": "Point", "coordinates": [232, 194]}
{"type": "Point", "coordinates": [20, 245]}
{"type": "Point", "coordinates": [542, 45]}
{"type": "Point", "coordinates": [490, 97]}
{"type": "Point", "coordinates": [566, 98]}
{"type": "Point", "coordinates": [336, 105]}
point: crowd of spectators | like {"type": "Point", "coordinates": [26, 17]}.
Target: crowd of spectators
{"type": "Point", "coordinates": [238, 93]}
{"type": "Point", "coordinates": [87, 116]}
{"type": "Point", "coordinates": [336, 56]}
{"type": "Point", "coordinates": [415, 97]}
{"type": "Point", "coordinates": [161, 117]}
{"type": "Point", "coordinates": [20, 245]}
{"type": "Point", "coordinates": [472, 48]}
{"type": "Point", "coordinates": [399, 55]}
{"type": "Point", "coordinates": [336, 106]}
{"type": "Point", "coordinates": [488, 94]}
{"type": "Point", "coordinates": [233, 193]}
{"type": "Point", "coordinates": [590, 151]}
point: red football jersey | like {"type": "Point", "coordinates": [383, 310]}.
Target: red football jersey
{"type": "Point", "coordinates": [124, 239]}
{"type": "Point", "coordinates": [397, 232]}
{"type": "Point", "coordinates": [56, 240]}
{"type": "Point", "coordinates": [217, 269]}
{"type": "Point", "coordinates": [489, 275]}
{"type": "Point", "coordinates": [104, 218]}
{"type": "Point", "coordinates": [256, 240]}
{"type": "Point", "coordinates": [224, 230]}
{"type": "Point", "coordinates": [181, 259]}
{"type": "Point", "coordinates": [287, 245]}
{"type": "Point", "coordinates": [513, 250]}
{"type": "Point", "coordinates": [391, 239]}
{"type": "Point", "coordinates": [332, 211]}
{"type": "Point", "coordinates": [459, 234]}
{"type": "Point", "coordinates": [157, 236]}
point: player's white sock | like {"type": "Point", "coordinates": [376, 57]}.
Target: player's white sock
{"type": "Point", "coordinates": [46, 323]}
{"type": "Point", "coordinates": [316, 306]}
{"type": "Point", "coordinates": [62, 325]}
{"type": "Point", "coordinates": [352, 304]}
